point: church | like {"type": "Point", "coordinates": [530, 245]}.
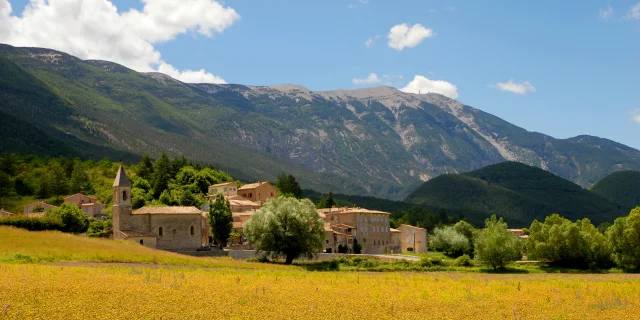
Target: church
{"type": "Point", "coordinates": [166, 228]}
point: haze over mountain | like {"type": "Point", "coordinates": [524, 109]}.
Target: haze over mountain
{"type": "Point", "coordinates": [375, 141]}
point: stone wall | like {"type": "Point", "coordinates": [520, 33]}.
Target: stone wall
{"type": "Point", "coordinates": [176, 231]}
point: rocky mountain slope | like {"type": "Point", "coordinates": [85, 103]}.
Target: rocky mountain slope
{"type": "Point", "coordinates": [376, 141]}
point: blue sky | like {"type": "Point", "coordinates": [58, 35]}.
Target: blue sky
{"type": "Point", "coordinates": [581, 57]}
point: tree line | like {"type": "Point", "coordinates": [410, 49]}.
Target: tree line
{"type": "Point", "coordinates": [557, 241]}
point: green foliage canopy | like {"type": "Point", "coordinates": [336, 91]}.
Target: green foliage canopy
{"type": "Point", "coordinates": [286, 227]}
{"type": "Point", "coordinates": [220, 219]}
{"type": "Point", "coordinates": [496, 246]}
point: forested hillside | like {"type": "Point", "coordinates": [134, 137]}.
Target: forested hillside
{"type": "Point", "coordinates": [621, 187]}
{"type": "Point", "coordinates": [517, 192]}
{"type": "Point", "coordinates": [166, 181]}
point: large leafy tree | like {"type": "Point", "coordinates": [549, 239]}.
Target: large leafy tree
{"type": "Point", "coordinates": [286, 227]}
{"type": "Point", "coordinates": [496, 246]}
{"type": "Point", "coordinates": [569, 244]}
{"type": "Point", "coordinates": [288, 185]}
{"type": "Point", "coordinates": [74, 220]}
{"type": "Point", "coordinates": [624, 240]}
{"type": "Point", "coordinates": [80, 179]}
{"type": "Point", "coordinates": [59, 183]}
{"type": "Point", "coordinates": [220, 219]}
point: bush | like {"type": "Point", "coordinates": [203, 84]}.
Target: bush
{"type": "Point", "coordinates": [450, 241]}
{"type": "Point", "coordinates": [100, 228]}
{"type": "Point", "coordinates": [33, 224]}
{"type": "Point", "coordinates": [463, 261]}
{"type": "Point", "coordinates": [74, 220]}
{"type": "Point", "coordinates": [430, 262]}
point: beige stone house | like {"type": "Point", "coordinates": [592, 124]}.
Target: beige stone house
{"type": "Point", "coordinates": [167, 228]}
{"type": "Point", "coordinates": [89, 205]}
{"type": "Point", "coordinates": [346, 226]}
{"type": "Point", "coordinates": [36, 209]}
{"type": "Point", "coordinates": [5, 214]}
{"type": "Point", "coordinates": [227, 188]}
{"type": "Point", "coordinates": [396, 241]}
{"type": "Point", "coordinates": [413, 239]}
{"type": "Point", "coordinates": [257, 192]}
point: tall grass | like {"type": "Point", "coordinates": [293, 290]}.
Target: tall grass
{"type": "Point", "coordinates": [20, 246]}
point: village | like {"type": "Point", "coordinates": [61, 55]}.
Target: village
{"type": "Point", "coordinates": [347, 230]}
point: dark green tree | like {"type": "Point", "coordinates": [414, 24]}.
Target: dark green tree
{"type": "Point", "coordinates": [6, 186]}
{"type": "Point", "coordinates": [80, 179]}
{"type": "Point", "coordinates": [8, 163]}
{"type": "Point", "coordinates": [187, 198]}
{"type": "Point", "coordinates": [328, 201]}
{"type": "Point", "coordinates": [220, 219]}
{"type": "Point", "coordinates": [624, 240]}
{"type": "Point", "coordinates": [288, 185]}
{"type": "Point", "coordinates": [161, 175]}
{"type": "Point", "coordinates": [145, 168]}
{"type": "Point", "coordinates": [58, 181]}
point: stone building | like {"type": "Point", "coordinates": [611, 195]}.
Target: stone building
{"type": "Point", "coordinates": [5, 214]}
{"type": "Point", "coordinates": [89, 205]}
{"type": "Point", "coordinates": [168, 228]}
{"type": "Point", "coordinates": [257, 192]}
{"type": "Point", "coordinates": [347, 226]}
{"type": "Point", "coordinates": [413, 238]}
{"type": "Point", "coordinates": [36, 209]}
{"type": "Point", "coordinates": [396, 241]}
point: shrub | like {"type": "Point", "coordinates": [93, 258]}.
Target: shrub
{"type": "Point", "coordinates": [430, 262]}
{"type": "Point", "coordinates": [450, 241]}
{"type": "Point", "coordinates": [74, 220]}
{"type": "Point", "coordinates": [33, 224]}
{"type": "Point", "coordinates": [463, 261]}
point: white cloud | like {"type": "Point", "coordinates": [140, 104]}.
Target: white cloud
{"type": "Point", "coordinates": [371, 79]}
{"type": "Point", "coordinates": [404, 36]}
{"type": "Point", "coordinates": [93, 29]}
{"type": "Point", "coordinates": [189, 76]}
{"type": "Point", "coordinates": [634, 12]}
{"type": "Point", "coordinates": [371, 40]}
{"type": "Point", "coordinates": [635, 115]}
{"type": "Point", "coordinates": [518, 88]}
{"type": "Point", "coordinates": [606, 14]}
{"type": "Point", "coordinates": [421, 85]}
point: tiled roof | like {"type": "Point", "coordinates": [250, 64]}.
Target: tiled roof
{"type": "Point", "coordinates": [250, 186]}
{"type": "Point", "coordinates": [83, 196]}
{"type": "Point", "coordinates": [351, 210]}
{"type": "Point", "coordinates": [42, 204]}
{"type": "Point", "coordinates": [168, 210]}
{"type": "Point", "coordinates": [245, 202]}
{"type": "Point", "coordinates": [130, 233]}
{"type": "Point", "coordinates": [343, 226]}
{"type": "Point", "coordinates": [394, 230]}
{"type": "Point", "coordinates": [411, 227]}
{"type": "Point", "coordinates": [221, 184]}
{"type": "Point", "coordinates": [5, 213]}
{"type": "Point", "coordinates": [121, 179]}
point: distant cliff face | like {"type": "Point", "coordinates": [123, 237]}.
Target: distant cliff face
{"type": "Point", "coordinates": [375, 141]}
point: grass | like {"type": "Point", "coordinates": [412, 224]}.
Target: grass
{"type": "Point", "coordinates": [21, 246]}
{"type": "Point", "coordinates": [35, 291]}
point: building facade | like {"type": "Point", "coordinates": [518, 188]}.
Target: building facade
{"type": "Point", "coordinates": [167, 228]}
{"type": "Point", "coordinates": [36, 209]}
{"type": "Point", "coordinates": [257, 192]}
{"type": "Point", "coordinates": [347, 226]}
{"type": "Point", "coordinates": [89, 205]}
{"type": "Point", "coordinates": [413, 239]}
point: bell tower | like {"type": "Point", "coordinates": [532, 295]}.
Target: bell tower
{"type": "Point", "coordinates": [121, 201]}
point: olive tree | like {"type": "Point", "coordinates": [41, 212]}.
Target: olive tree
{"type": "Point", "coordinates": [496, 246]}
{"type": "Point", "coordinates": [286, 227]}
{"type": "Point", "coordinates": [450, 241]}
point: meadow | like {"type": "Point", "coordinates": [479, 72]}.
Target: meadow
{"type": "Point", "coordinates": [50, 275]}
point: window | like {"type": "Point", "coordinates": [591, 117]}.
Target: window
{"type": "Point", "coordinates": [160, 231]}
{"type": "Point", "coordinates": [250, 195]}
{"type": "Point", "coordinates": [193, 231]}
{"type": "Point", "coordinates": [141, 242]}
{"type": "Point", "coordinates": [124, 195]}
{"type": "Point", "coordinates": [326, 241]}
{"type": "Point", "coordinates": [271, 194]}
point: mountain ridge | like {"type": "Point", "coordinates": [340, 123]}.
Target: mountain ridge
{"type": "Point", "coordinates": [376, 141]}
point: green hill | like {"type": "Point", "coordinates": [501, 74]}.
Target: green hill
{"type": "Point", "coordinates": [515, 191]}
{"type": "Point", "coordinates": [621, 187]}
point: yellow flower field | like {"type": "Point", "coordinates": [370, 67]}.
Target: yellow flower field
{"type": "Point", "coordinates": [35, 291]}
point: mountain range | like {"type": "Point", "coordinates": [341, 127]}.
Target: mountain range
{"type": "Point", "coordinates": [376, 141]}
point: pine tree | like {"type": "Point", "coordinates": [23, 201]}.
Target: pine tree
{"type": "Point", "coordinates": [145, 168]}
{"type": "Point", "coordinates": [161, 175]}
{"type": "Point", "coordinates": [328, 202]}
{"type": "Point", "coordinates": [288, 185]}
{"type": "Point", "coordinates": [220, 219]}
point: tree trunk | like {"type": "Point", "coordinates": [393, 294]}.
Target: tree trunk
{"type": "Point", "coordinates": [289, 259]}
